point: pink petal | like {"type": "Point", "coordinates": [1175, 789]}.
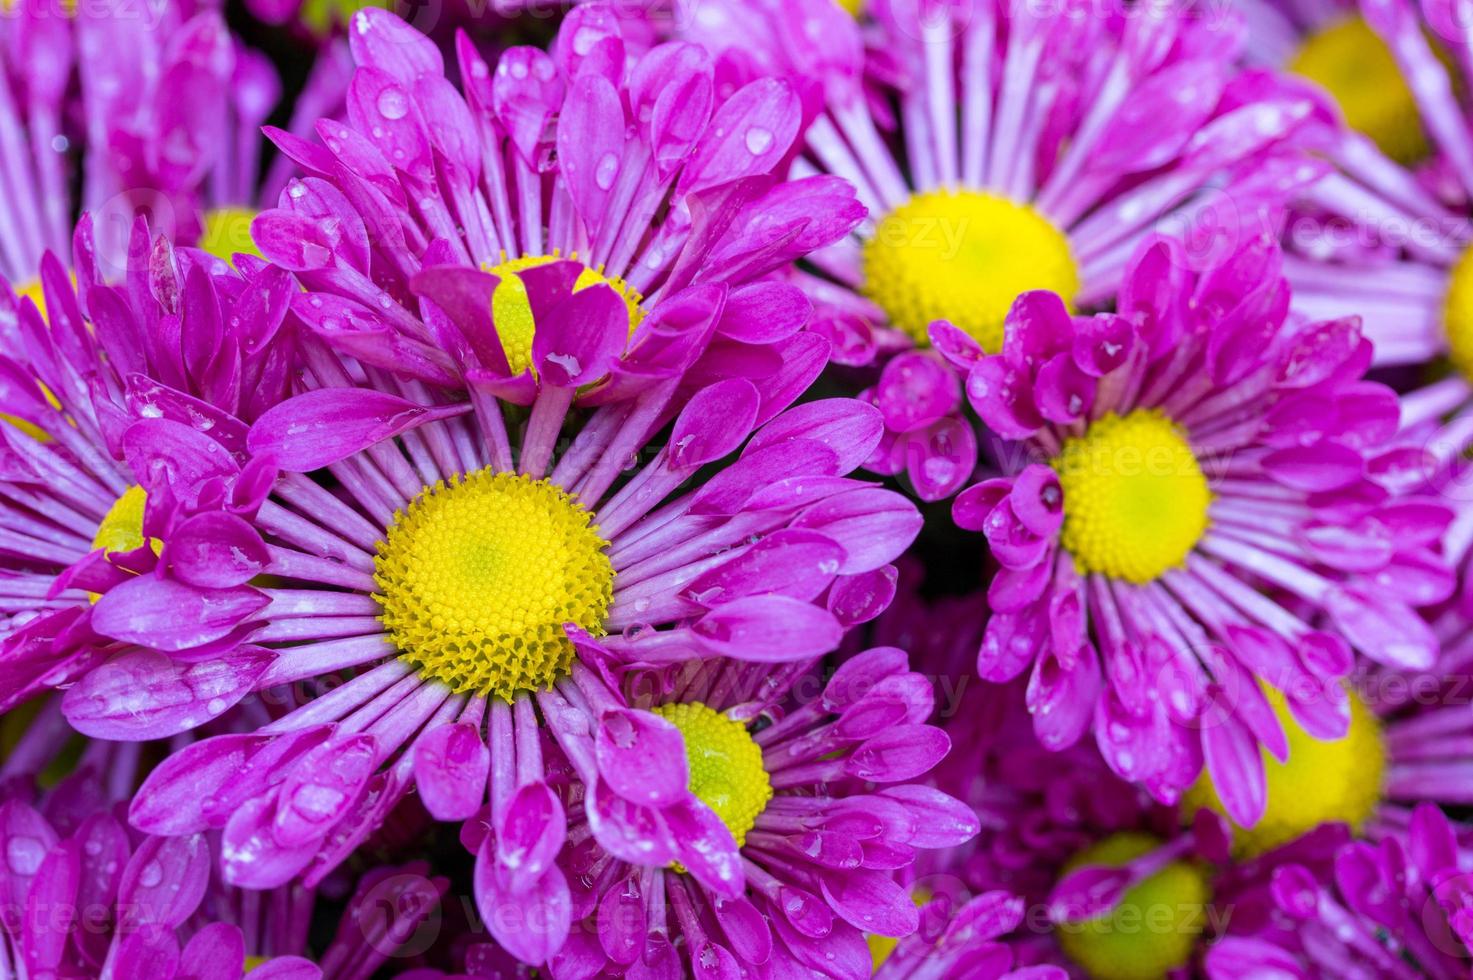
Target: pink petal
{"type": "Point", "coordinates": [642, 757]}
{"type": "Point", "coordinates": [450, 768]}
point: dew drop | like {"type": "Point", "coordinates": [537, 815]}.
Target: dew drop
{"type": "Point", "coordinates": [152, 874]}
{"type": "Point", "coordinates": [607, 170]}
{"type": "Point", "coordinates": [758, 139]}
{"type": "Point", "coordinates": [24, 855]}
{"type": "Point", "coordinates": [392, 104]}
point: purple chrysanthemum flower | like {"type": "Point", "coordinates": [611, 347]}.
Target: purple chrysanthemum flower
{"type": "Point", "coordinates": [165, 107]}
{"type": "Point", "coordinates": [1384, 234]}
{"type": "Point", "coordinates": [1192, 500]}
{"type": "Point", "coordinates": [438, 576]}
{"type": "Point", "coordinates": [1003, 148]}
{"type": "Point", "coordinates": [430, 207]}
{"type": "Point", "coordinates": [1391, 245]}
{"type": "Point", "coordinates": [73, 515]}
{"type": "Point", "coordinates": [1396, 909]}
{"type": "Point", "coordinates": [1331, 43]}
{"type": "Point", "coordinates": [92, 902]}
{"type": "Point", "coordinates": [803, 812]}
{"type": "Point", "coordinates": [83, 897]}
{"type": "Point", "coordinates": [969, 943]}
{"type": "Point", "coordinates": [1086, 853]}
{"type": "Point", "coordinates": [1406, 744]}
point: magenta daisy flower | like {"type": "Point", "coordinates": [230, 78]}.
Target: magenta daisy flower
{"type": "Point", "coordinates": [1374, 238]}
{"type": "Point", "coordinates": [434, 584]}
{"type": "Point", "coordinates": [1330, 43]}
{"type": "Point", "coordinates": [159, 110]}
{"type": "Point", "coordinates": [92, 902]}
{"type": "Point", "coordinates": [73, 514]}
{"type": "Point", "coordinates": [85, 897]}
{"type": "Point", "coordinates": [1191, 500]}
{"type": "Point", "coordinates": [969, 943]}
{"type": "Point", "coordinates": [1000, 149]}
{"type": "Point", "coordinates": [1327, 907]}
{"type": "Point", "coordinates": [1406, 744]}
{"type": "Point", "coordinates": [430, 207]}
{"type": "Point", "coordinates": [737, 830]}
{"type": "Point", "coordinates": [1084, 852]}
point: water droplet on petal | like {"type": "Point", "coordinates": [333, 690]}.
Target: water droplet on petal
{"type": "Point", "coordinates": [392, 104]}
{"type": "Point", "coordinates": [758, 139]}
{"type": "Point", "coordinates": [24, 855]}
{"type": "Point", "coordinates": [152, 874]}
{"type": "Point", "coordinates": [607, 170]}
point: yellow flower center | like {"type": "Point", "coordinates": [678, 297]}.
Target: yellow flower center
{"type": "Point", "coordinates": [1153, 929]}
{"type": "Point", "coordinates": [725, 764]}
{"type": "Point", "coordinates": [511, 311]}
{"type": "Point", "coordinates": [476, 579]}
{"type": "Point", "coordinates": [1351, 62]}
{"type": "Point", "coordinates": [855, 7]}
{"type": "Point", "coordinates": [963, 256]}
{"type": "Point", "coordinates": [1339, 781]}
{"type": "Point", "coordinates": [1135, 499]}
{"type": "Point", "coordinates": [122, 529]}
{"type": "Point", "coordinates": [1457, 314]}
{"type": "Point", "coordinates": [251, 962]}
{"type": "Point", "coordinates": [228, 231]}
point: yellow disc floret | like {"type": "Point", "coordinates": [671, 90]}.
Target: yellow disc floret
{"type": "Point", "coordinates": [1154, 927]}
{"type": "Point", "coordinates": [228, 231]}
{"type": "Point", "coordinates": [1338, 781]}
{"type": "Point", "coordinates": [726, 770]}
{"type": "Point", "coordinates": [1457, 314]}
{"type": "Point", "coordinates": [1135, 499]}
{"type": "Point", "coordinates": [854, 7]}
{"type": "Point", "coordinates": [511, 311]}
{"type": "Point", "coordinates": [1351, 62]}
{"type": "Point", "coordinates": [963, 256]}
{"type": "Point", "coordinates": [122, 529]}
{"type": "Point", "coordinates": [477, 577]}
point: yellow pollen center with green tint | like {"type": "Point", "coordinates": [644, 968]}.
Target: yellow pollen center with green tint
{"type": "Point", "coordinates": [854, 7]}
{"type": "Point", "coordinates": [1457, 314]}
{"type": "Point", "coordinates": [251, 962]}
{"type": "Point", "coordinates": [1135, 498]}
{"type": "Point", "coordinates": [964, 257]}
{"type": "Point", "coordinates": [511, 311]}
{"type": "Point", "coordinates": [477, 577]}
{"type": "Point", "coordinates": [1323, 782]}
{"type": "Point", "coordinates": [1153, 929]}
{"type": "Point", "coordinates": [726, 770]}
{"type": "Point", "coordinates": [228, 231]}
{"type": "Point", "coordinates": [122, 529]}
{"type": "Point", "coordinates": [1350, 61]}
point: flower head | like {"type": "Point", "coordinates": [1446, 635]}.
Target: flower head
{"type": "Point", "coordinates": [731, 826]}
{"type": "Point", "coordinates": [276, 580]}
{"type": "Point", "coordinates": [1033, 150]}
{"type": "Point", "coordinates": [85, 897]}
{"type": "Point", "coordinates": [1335, 47]}
{"type": "Point", "coordinates": [1326, 906]}
{"type": "Point", "coordinates": [1175, 479]}
{"type": "Point", "coordinates": [78, 515]}
{"type": "Point", "coordinates": [630, 180]}
{"type": "Point", "coordinates": [159, 112]}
